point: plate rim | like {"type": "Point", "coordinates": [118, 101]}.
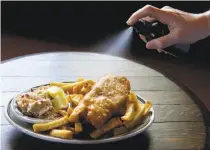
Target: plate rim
{"type": "Point", "coordinates": [76, 141]}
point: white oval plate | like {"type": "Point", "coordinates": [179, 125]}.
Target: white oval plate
{"type": "Point", "coordinates": [26, 128]}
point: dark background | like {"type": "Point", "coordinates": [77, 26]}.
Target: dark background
{"type": "Point", "coordinates": [84, 23]}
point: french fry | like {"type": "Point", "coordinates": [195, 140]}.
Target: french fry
{"type": "Point", "coordinates": [139, 115]}
{"type": "Point", "coordinates": [58, 84]}
{"type": "Point", "coordinates": [130, 112]}
{"type": "Point", "coordinates": [86, 89]}
{"type": "Point", "coordinates": [65, 134]}
{"type": "Point", "coordinates": [50, 125]}
{"type": "Point", "coordinates": [133, 98]}
{"type": "Point", "coordinates": [80, 79]}
{"type": "Point", "coordinates": [147, 106]}
{"type": "Point", "coordinates": [132, 106]}
{"type": "Point", "coordinates": [76, 89]}
{"type": "Point", "coordinates": [120, 130]}
{"type": "Point", "coordinates": [78, 127]}
{"type": "Point", "coordinates": [69, 110]}
{"type": "Point", "coordinates": [69, 98]}
{"type": "Point", "coordinates": [69, 91]}
{"type": "Point", "coordinates": [62, 112]}
{"type": "Point", "coordinates": [91, 82]}
{"type": "Point", "coordinates": [72, 95]}
{"type": "Point", "coordinates": [74, 117]}
{"type": "Point", "coordinates": [67, 128]}
{"type": "Point", "coordinates": [111, 124]}
{"type": "Point", "coordinates": [76, 99]}
{"type": "Point", "coordinates": [80, 83]}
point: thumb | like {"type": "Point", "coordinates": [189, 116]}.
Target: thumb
{"type": "Point", "coordinates": [161, 42]}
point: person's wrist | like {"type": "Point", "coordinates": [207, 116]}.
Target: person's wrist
{"type": "Point", "coordinates": [203, 22]}
{"type": "Point", "coordinates": [202, 19]}
{"type": "Point", "coordinates": [207, 15]}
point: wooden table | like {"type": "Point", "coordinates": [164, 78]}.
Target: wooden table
{"type": "Point", "coordinates": [179, 122]}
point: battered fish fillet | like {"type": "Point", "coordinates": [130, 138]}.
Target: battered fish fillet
{"type": "Point", "coordinates": [107, 98]}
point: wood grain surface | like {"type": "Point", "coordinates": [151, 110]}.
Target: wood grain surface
{"type": "Point", "coordinates": [179, 123]}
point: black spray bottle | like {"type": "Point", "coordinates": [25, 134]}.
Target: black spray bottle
{"type": "Point", "coordinates": [155, 29]}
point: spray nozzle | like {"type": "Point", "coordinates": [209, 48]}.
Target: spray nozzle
{"type": "Point", "coordinates": [150, 30]}
{"type": "Point", "coordinates": [142, 27]}
{"type": "Point", "coordinates": [156, 29]}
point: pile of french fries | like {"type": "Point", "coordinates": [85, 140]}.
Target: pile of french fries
{"type": "Point", "coordinates": [74, 92]}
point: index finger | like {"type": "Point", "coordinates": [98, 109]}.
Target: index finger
{"type": "Point", "coordinates": [150, 11]}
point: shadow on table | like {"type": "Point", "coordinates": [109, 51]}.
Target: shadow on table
{"type": "Point", "coordinates": [25, 142]}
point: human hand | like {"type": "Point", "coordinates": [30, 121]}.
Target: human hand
{"type": "Point", "coordinates": [184, 27]}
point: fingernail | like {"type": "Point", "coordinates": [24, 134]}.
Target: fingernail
{"type": "Point", "coordinates": [152, 45]}
{"type": "Point", "coordinates": [128, 22]}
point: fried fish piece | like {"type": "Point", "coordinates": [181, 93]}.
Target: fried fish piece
{"type": "Point", "coordinates": [105, 100]}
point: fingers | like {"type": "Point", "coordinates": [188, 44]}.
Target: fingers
{"type": "Point", "coordinates": [158, 43]}
{"type": "Point", "coordinates": [162, 42]}
{"type": "Point", "coordinates": [150, 11]}
{"type": "Point", "coordinates": [143, 38]}
{"type": "Point", "coordinates": [167, 8]}
{"type": "Point", "coordinates": [148, 19]}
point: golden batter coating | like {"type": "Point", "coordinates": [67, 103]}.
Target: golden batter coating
{"type": "Point", "coordinates": [106, 99]}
